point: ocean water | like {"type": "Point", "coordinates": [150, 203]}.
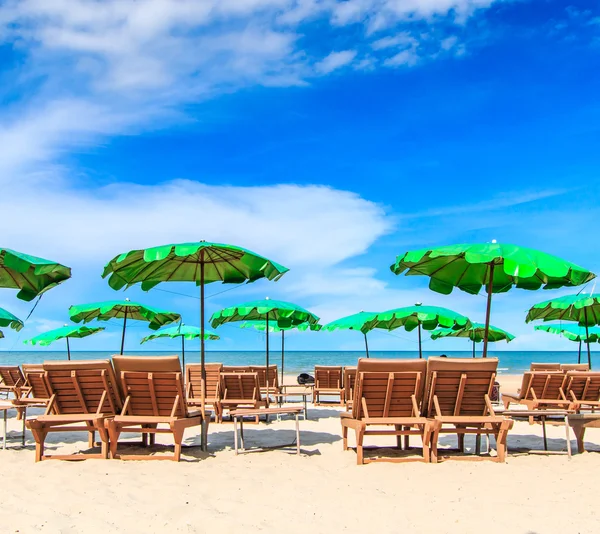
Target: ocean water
{"type": "Point", "coordinates": [303, 361]}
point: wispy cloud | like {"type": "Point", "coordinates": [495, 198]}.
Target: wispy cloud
{"type": "Point", "coordinates": [334, 61]}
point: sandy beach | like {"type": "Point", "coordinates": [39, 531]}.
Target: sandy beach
{"type": "Point", "coordinates": [322, 490]}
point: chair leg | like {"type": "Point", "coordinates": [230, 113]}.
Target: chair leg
{"type": "Point", "coordinates": [505, 426]}
{"type": "Point", "coordinates": [178, 438]}
{"type": "Point", "coordinates": [113, 436]}
{"type": "Point", "coordinates": [345, 437]}
{"type": "Point", "coordinates": [91, 439]}
{"type": "Point", "coordinates": [360, 433]}
{"type": "Point", "coordinates": [39, 435]}
{"type": "Point", "coordinates": [434, 443]}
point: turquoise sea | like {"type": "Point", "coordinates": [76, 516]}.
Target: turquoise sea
{"type": "Point", "coordinates": [303, 361]}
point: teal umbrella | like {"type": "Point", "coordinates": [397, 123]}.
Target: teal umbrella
{"type": "Point", "coordinates": [66, 332]}
{"type": "Point", "coordinates": [475, 332]}
{"type": "Point", "coordinates": [572, 333]}
{"type": "Point", "coordinates": [357, 321]}
{"type": "Point", "coordinates": [278, 312]}
{"type": "Point", "coordinates": [418, 316]}
{"type": "Point", "coordinates": [122, 309]}
{"type": "Point", "coordinates": [8, 319]}
{"type": "Point", "coordinates": [184, 332]}
{"type": "Point", "coordinates": [261, 326]}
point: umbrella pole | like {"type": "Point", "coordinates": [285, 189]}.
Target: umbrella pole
{"type": "Point", "coordinates": [490, 289]}
{"type": "Point", "coordinates": [587, 339]}
{"type": "Point", "coordinates": [282, 353]}
{"type": "Point", "coordinates": [579, 356]}
{"type": "Point", "coordinates": [473, 348]}
{"type": "Point", "coordinates": [183, 353]}
{"type": "Point", "coordinates": [123, 336]}
{"type": "Point", "coordinates": [267, 359]}
{"type": "Point", "coordinates": [204, 427]}
{"type": "Point", "coordinates": [68, 349]}
{"type": "Point", "coordinates": [420, 350]}
{"type": "Point", "coordinates": [366, 345]}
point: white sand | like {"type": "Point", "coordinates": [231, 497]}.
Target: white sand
{"type": "Point", "coordinates": [323, 490]}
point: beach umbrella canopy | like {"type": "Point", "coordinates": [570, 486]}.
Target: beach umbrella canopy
{"type": "Point", "coordinates": [122, 309]}
{"type": "Point", "coordinates": [584, 309]}
{"type": "Point", "coordinates": [475, 332]}
{"type": "Point", "coordinates": [418, 316]}
{"type": "Point", "coordinates": [572, 332]}
{"type": "Point", "coordinates": [357, 321]}
{"type": "Point", "coordinates": [65, 332]}
{"type": "Point", "coordinates": [8, 319]}
{"type": "Point", "coordinates": [261, 326]}
{"type": "Point", "coordinates": [184, 332]}
{"type": "Point", "coordinates": [282, 314]}
{"type": "Point", "coordinates": [495, 266]}
{"type": "Point", "coordinates": [29, 274]}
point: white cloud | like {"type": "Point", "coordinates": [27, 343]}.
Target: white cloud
{"type": "Point", "coordinates": [408, 58]}
{"type": "Point", "coordinates": [334, 61]}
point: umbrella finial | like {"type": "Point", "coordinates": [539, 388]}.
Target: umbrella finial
{"type": "Point", "coordinates": [65, 324]}
{"type": "Point", "coordinates": [267, 298]}
{"type": "Point", "coordinates": [127, 299]}
{"type": "Point", "coordinates": [418, 303]}
{"type": "Point", "coordinates": [494, 241]}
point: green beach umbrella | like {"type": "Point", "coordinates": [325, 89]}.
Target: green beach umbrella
{"type": "Point", "coordinates": [475, 332]}
{"type": "Point", "coordinates": [66, 332]}
{"type": "Point", "coordinates": [261, 326]}
{"type": "Point", "coordinates": [184, 332]}
{"type": "Point", "coordinates": [8, 319]}
{"type": "Point", "coordinates": [497, 267]}
{"type": "Point", "coordinates": [572, 332]}
{"type": "Point", "coordinates": [282, 314]}
{"type": "Point", "coordinates": [357, 321]}
{"type": "Point", "coordinates": [32, 276]}
{"type": "Point", "coordinates": [418, 316]}
{"type": "Point", "coordinates": [202, 262]}
{"type": "Point", "coordinates": [122, 309]}
{"type": "Point", "coordinates": [583, 309]}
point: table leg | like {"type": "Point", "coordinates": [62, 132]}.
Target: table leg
{"type": "Point", "coordinates": [568, 437]}
{"type": "Point", "coordinates": [297, 434]}
{"type": "Point", "coordinates": [4, 433]}
{"type": "Point", "coordinates": [544, 432]}
{"type": "Point", "coordinates": [242, 432]}
{"type": "Point", "coordinates": [24, 417]}
{"type": "Point", "coordinates": [305, 407]}
{"type": "Point", "coordinates": [235, 434]}
{"type": "Point", "coordinates": [478, 444]}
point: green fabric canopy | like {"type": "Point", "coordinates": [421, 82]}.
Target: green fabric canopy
{"type": "Point", "coordinates": [357, 321]}
{"type": "Point", "coordinates": [475, 332]}
{"type": "Point", "coordinates": [572, 332]}
{"type": "Point", "coordinates": [31, 275]}
{"type": "Point", "coordinates": [122, 309]}
{"type": "Point", "coordinates": [417, 316]}
{"type": "Point", "coordinates": [497, 267]}
{"type": "Point", "coordinates": [8, 319]}
{"type": "Point", "coordinates": [64, 332]}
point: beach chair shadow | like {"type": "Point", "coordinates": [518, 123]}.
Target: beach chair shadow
{"type": "Point", "coordinates": [526, 443]}
{"type": "Point", "coordinates": [316, 414]}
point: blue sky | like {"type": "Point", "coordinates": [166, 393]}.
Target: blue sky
{"type": "Point", "coordinates": [327, 135]}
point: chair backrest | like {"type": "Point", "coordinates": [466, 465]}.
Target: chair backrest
{"type": "Point", "coordinates": [260, 370]}
{"type": "Point", "coordinates": [34, 378]}
{"type": "Point", "coordinates": [542, 385]}
{"type": "Point", "coordinates": [328, 376]}
{"type": "Point", "coordinates": [574, 367]}
{"type": "Point", "coordinates": [193, 373]}
{"type": "Point", "coordinates": [349, 380]}
{"type": "Point", "coordinates": [82, 387]}
{"type": "Point", "coordinates": [583, 386]}
{"type": "Point", "coordinates": [544, 367]}
{"type": "Point", "coordinates": [151, 385]}
{"type": "Point", "coordinates": [459, 386]}
{"type": "Point", "coordinates": [388, 388]}
{"type": "Point", "coordinates": [240, 386]}
{"type": "Point", "coordinates": [11, 376]}
{"type": "Point", "coordinates": [236, 369]}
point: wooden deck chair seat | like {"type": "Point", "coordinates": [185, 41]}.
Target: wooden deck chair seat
{"type": "Point", "coordinates": [544, 366]}
{"type": "Point", "coordinates": [328, 382]}
{"type": "Point", "coordinates": [388, 393]}
{"type": "Point", "coordinates": [83, 395]}
{"type": "Point", "coordinates": [12, 380]}
{"type": "Point", "coordinates": [274, 388]}
{"type": "Point", "coordinates": [152, 388]}
{"type": "Point", "coordinates": [349, 379]}
{"type": "Point", "coordinates": [582, 389]}
{"type": "Point", "coordinates": [193, 384]}
{"type": "Point", "coordinates": [241, 390]}
{"type": "Point", "coordinates": [458, 396]}
{"type": "Point", "coordinates": [574, 367]}
{"type": "Point", "coordinates": [539, 390]}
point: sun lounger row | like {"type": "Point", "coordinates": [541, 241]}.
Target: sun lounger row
{"type": "Point", "coordinates": [424, 398]}
{"type": "Point", "coordinates": [559, 367]}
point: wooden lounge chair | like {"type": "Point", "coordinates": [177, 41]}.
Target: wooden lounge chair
{"type": "Point", "coordinates": [152, 387]}
{"type": "Point", "coordinates": [82, 393]}
{"type": "Point", "coordinates": [388, 393]}
{"type": "Point", "coordinates": [274, 388]}
{"type": "Point", "coordinates": [328, 382]}
{"type": "Point", "coordinates": [193, 384]}
{"type": "Point", "coordinates": [36, 392]}
{"type": "Point", "coordinates": [574, 367]}
{"type": "Point", "coordinates": [12, 380]}
{"type": "Point", "coordinates": [544, 367]}
{"type": "Point", "coordinates": [539, 390]}
{"type": "Point", "coordinates": [241, 390]}
{"type": "Point", "coordinates": [458, 395]}
{"type": "Point", "coordinates": [349, 379]}
{"type": "Point", "coordinates": [236, 369]}
{"type": "Point", "coordinates": [583, 390]}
